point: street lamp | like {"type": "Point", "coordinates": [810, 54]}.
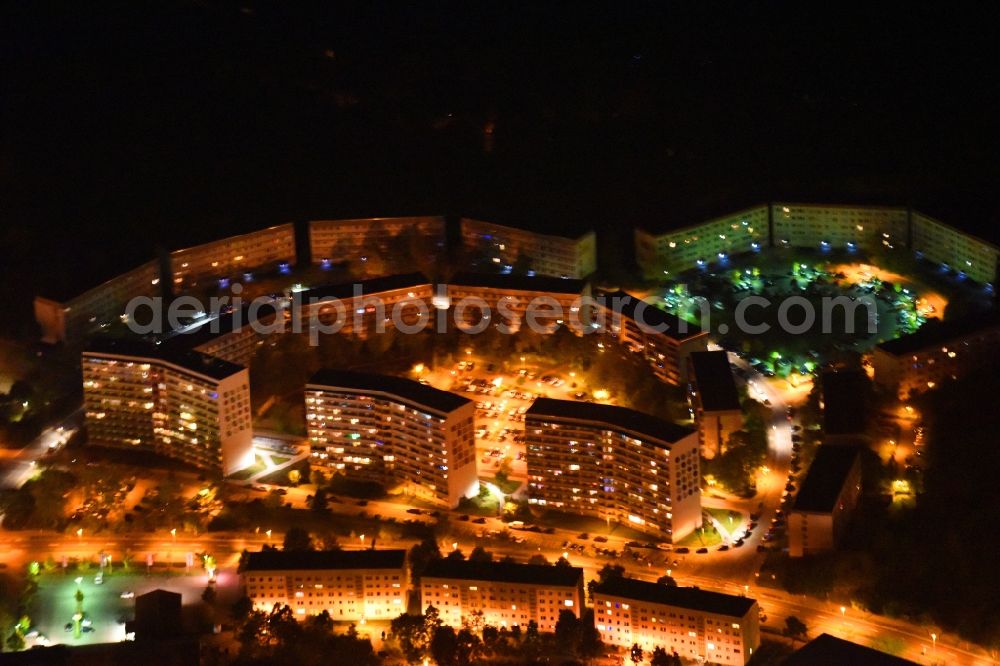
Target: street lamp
{"type": "Point", "coordinates": [79, 533]}
{"type": "Point", "coordinates": [173, 533]}
{"type": "Point", "coordinates": [268, 533]}
{"type": "Point", "coordinates": [843, 611]}
{"type": "Point", "coordinates": [934, 639]}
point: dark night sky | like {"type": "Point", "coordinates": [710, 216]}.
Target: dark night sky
{"type": "Point", "coordinates": [122, 128]}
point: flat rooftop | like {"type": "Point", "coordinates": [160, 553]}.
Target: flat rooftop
{"type": "Point", "coordinates": [649, 315]}
{"type": "Point", "coordinates": [714, 378]}
{"type": "Point", "coordinates": [203, 364]}
{"type": "Point", "coordinates": [407, 389]}
{"type": "Point", "coordinates": [281, 560]}
{"type": "Point", "coordinates": [543, 283]}
{"type": "Point", "coordinates": [845, 400]}
{"type": "Point", "coordinates": [827, 650]}
{"type": "Point", "coordinates": [609, 416]}
{"type": "Point", "coordinates": [692, 598]}
{"type": "Point", "coordinates": [506, 572]}
{"type": "Point", "coordinates": [936, 332]}
{"type": "Point", "coordinates": [825, 479]}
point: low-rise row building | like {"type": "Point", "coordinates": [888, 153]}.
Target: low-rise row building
{"type": "Point", "coordinates": [695, 624]}
{"type": "Point", "coordinates": [714, 400]}
{"type": "Point", "coordinates": [350, 585]}
{"type": "Point", "coordinates": [185, 405]}
{"type": "Point", "coordinates": [394, 431]}
{"type": "Point", "coordinates": [614, 463]}
{"type": "Point", "coordinates": [507, 594]}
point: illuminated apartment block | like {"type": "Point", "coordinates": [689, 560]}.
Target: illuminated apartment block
{"type": "Point", "coordinates": [351, 585]}
{"type": "Point", "coordinates": [509, 247]}
{"type": "Point", "coordinates": [233, 256]}
{"type": "Point", "coordinates": [617, 464]}
{"type": "Point", "coordinates": [696, 624]}
{"type": "Point", "coordinates": [73, 318]}
{"type": "Point", "coordinates": [935, 353]}
{"type": "Point", "coordinates": [829, 226]}
{"type": "Point", "coordinates": [334, 241]}
{"type": "Point", "coordinates": [953, 249]}
{"type": "Point", "coordinates": [369, 306]}
{"type": "Point", "coordinates": [714, 400]}
{"type": "Point", "coordinates": [506, 593]}
{"type": "Point", "coordinates": [508, 298]}
{"type": "Point", "coordinates": [394, 431]}
{"type": "Point", "coordinates": [663, 340]}
{"type": "Point", "coordinates": [674, 251]}
{"type": "Point", "coordinates": [183, 405]}
{"type": "Point", "coordinates": [826, 500]}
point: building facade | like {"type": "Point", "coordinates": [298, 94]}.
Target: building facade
{"type": "Point", "coordinates": [675, 251]}
{"type": "Point", "coordinates": [186, 406]}
{"type": "Point", "coordinates": [507, 594]}
{"type": "Point", "coordinates": [507, 247]}
{"type": "Point", "coordinates": [405, 301]}
{"type": "Point", "coordinates": [351, 585]}
{"type": "Point", "coordinates": [937, 352]}
{"type": "Point", "coordinates": [614, 463]}
{"type": "Point", "coordinates": [830, 226]}
{"type": "Point", "coordinates": [822, 227]}
{"type": "Point", "coordinates": [663, 340]}
{"type": "Point", "coordinates": [715, 402]}
{"type": "Point", "coordinates": [695, 624]}
{"type": "Point", "coordinates": [335, 241]}
{"type": "Point", "coordinates": [826, 501]}
{"type": "Point", "coordinates": [74, 319]}
{"type": "Point", "coordinates": [508, 298]}
{"type": "Point", "coordinates": [953, 249]}
{"type": "Point", "coordinates": [394, 431]}
{"type": "Point", "coordinates": [233, 256]}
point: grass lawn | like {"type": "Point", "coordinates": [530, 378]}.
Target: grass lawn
{"type": "Point", "coordinates": [593, 526]}
{"type": "Point", "coordinates": [280, 476]}
{"type": "Point", "coordinates": [279, 460]}
{"type": "Point", "coordinates": [256, 468]}
{"type": "Point", "coordinates": [723, 516]}
{"type": "Point", "coordinates": [706, 537]}
{"type": "Point", "coordinates": [508, 487]}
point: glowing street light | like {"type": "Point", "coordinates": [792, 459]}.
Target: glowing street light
{"type": "Point", "coordinates": [173, 533]}
{"type": "Point", "coordinates": [268, 533]}
{"type": "Point", "coordinates": [843, 611]}
{"type": "Point", "coordinates": [934, 639]}
{"type": "Point", "coordinates": [79, 533]}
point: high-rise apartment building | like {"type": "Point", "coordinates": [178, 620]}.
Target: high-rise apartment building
{"type": "Point", "coordinates": [394, 431]}
{"type": "Point", "coordinates": [614, 463]}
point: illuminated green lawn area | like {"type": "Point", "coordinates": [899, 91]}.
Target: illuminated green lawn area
{"type": "Point", "coordinates": [732, 521]}
{"type": "Point", "coordinates": [279, 460]}
{"type": "Point", "coordinates": [257, 467]}
{"type": "Point", "coordinates": [280, 477]}
{"type": "Point", "coordinates": [592, 526]}
{"type": "Point", "coordinates": [704, 537]}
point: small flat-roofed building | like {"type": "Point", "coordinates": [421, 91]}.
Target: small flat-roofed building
{"type": "Point", "coordinates": [507, 593]}
{"type": "Point", "coordinates": [394, 431]}
{"type": "Point", "coordinates": [826, 500]}
{"type": "Point", "coordinates": [351, 585]}
{"type": "Point", "coordinates": [714, 400]}
{"type": "Point", "coordinates": [846, 395]}
{"type": "Point", "coordinates": [938, 351]}
{"type": "Point", "coordinates": [614, 463]}
{"type": "Point", "coordinates": [157, 615]}
{"type": "Point", "coordinates": [664, 340]}
{"type": "Point", "coordinates": [827, 650]}
{"type": "Point", "coordinates": [695, 624]}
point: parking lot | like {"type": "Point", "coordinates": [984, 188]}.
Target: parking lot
{"type": "Point", "coordinates": [502, 398]}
